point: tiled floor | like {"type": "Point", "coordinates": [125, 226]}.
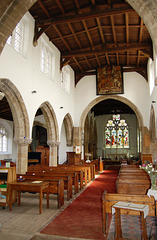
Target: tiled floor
{"type": "Point", "coordinates": [131, 227]}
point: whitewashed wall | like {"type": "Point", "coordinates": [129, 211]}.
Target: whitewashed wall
{"type": "Point", "coordinates": [136, 89]}
{"type": "Point", "coordinates": [24, 72]}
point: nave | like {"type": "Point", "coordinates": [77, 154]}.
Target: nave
{"type": "Point", "coordinates": [25, 222]}
{"type": "Point", "coordinates": [79, 218]}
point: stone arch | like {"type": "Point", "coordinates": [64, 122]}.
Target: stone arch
{"type": "Point", "coordinates": [147, 10]}
{"type": "Point", "coordinates": [52, 132]}
{"type": "Point", "coordinates": [152, 128]}
{"type": "Point", "coordinates": [115, 97]}
{"type": "Point", "coordinates": [18, 109]}
{"type": "Point", "coordinates": [21, 123]}
{"type": "Point", "coordinates": [10, 15]}
{"type": "Point", "coordinates": [68, 123]}
{"type": "Point", "coordinates": [51, 122]}
{"type": "Point", "coordinates": [142, 129]}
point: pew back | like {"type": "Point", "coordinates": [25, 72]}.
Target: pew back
{"type": "Point", "coordinates": [109, 199]}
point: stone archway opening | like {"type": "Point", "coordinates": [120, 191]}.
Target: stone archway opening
{"type": "Point", "coordinates": [47, 125]}
{"type": "Point", "coordinates": [68, 123]}
{"type": "Point", "coordinates": [21, 123]}
{"type": "Point", "coordinates": [141, 129]}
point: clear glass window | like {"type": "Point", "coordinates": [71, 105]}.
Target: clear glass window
{"type": "Point", "coordinates": [3, 139]}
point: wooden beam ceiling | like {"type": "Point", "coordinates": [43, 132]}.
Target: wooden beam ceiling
{"type": "Point", "coordinates": [90, 35]}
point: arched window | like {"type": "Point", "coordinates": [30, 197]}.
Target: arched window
{"type": "Point", "coordinates": [3, 139]}
{"type": "Point", "coordinates": [46, 61]}
{"type": "Point", "coordinates": [18, 37]}
{"type": "Point", "coordinates": [65, 79]}
{"type": "Point", "coordinates": [116, 133]}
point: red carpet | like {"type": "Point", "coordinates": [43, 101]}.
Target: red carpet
{"type": "Point", "coordinates": [83, 217]}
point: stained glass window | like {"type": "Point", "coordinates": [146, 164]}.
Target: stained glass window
{"type": "Point", "coordinates": [116, 133]}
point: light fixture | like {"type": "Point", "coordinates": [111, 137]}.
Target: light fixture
{"type": "Point", "coordinates": [34, 91]}
{"type": "Point", "coordinates": [1, 95]}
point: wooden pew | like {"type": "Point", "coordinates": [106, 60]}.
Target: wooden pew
{"type": "Point", "coordinates": [60, 170]}
{"type": "Point", "coordinates": [48, 176]}
{"type": "Point", "coordinates": [132, 170]}
{"type": "Point", "coordinates": [132, 186]}
{"type": "Point", "coordinates": [86, 170]}
{"type": "Point", "coordinates": [109, 199]}
{"type": "Point", "coordinates": [76, 175]}
{"type": "Point", "coordinates": [76, 168]}
{"type": "Point", "coordinates": [56, 186]}
{"type": "Point", "coordinates": [133, 176]}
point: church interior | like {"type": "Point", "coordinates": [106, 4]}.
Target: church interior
{"type": "Point", "coordinates": [78, 143]}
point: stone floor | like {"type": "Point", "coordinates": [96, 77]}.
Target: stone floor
{"type": "Point", "coordinates": [25, 222]}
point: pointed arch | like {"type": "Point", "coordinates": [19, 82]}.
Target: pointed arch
{"type": "Point", "coordinates": [118, 98]}
{"type": "Point", "coordinates": [68, 123]}
{"type": "Point", "coordinates": [51, 122]}
{"type": "Point", "coordinates": [18, 109]}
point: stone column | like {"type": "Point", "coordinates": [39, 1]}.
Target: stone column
{"type": "Point", "coordinates": [77, 141]}
{"type": "Point", "coordinates": [22, 154]}
{"type": "Point", "coordinates": [53, 153]}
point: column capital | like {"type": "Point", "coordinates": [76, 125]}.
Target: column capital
{"type": "Point", "coordinates": [22, 141]}
{"type": "Point", "coordinates": [53, 144]}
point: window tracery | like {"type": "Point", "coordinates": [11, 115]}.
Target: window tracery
{"type": "Point", "coordinates": [116, 133]}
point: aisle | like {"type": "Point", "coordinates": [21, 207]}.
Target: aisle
{"type": "Point", "coordinates": [83, 217]}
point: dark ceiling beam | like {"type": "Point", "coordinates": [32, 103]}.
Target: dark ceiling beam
{"type": "Point", "coordinates": [60, 6]}
{"type": "Point", "coordinates": [41, 4]}
{"type": "Point", "coordinates": [90, 39]}
{"type": "Point", "coordinates": [102, 37]}
{"type": "Point", "coordinates": [140, 40]}
{"type": "Point", "coordinates": [122, 48]}
{"type": "Point", "coordinates": [127, 35]}
{"type": "Point", "coordinates": [79, 17]}
{"type": "Point", "coordinates": [95, 28]}
{"type": "Point", "coordinates": [67, 60]}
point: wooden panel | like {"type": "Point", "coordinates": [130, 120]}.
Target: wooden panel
{"type": "Point", "coordinates": [146, 157]}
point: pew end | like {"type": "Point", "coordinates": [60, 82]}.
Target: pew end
{"type": "Point", "coordinates": [109, 199]}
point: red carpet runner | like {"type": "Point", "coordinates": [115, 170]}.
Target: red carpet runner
{"type": "Point", "coordinates": [83, 217]}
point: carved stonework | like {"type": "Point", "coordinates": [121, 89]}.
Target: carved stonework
{"type": "Point", "coordinates": [22, 141]}
{"type": "Point", "coordinates": [53, 144]}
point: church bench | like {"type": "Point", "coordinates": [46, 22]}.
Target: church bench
{"type": "Point", "coordinates": [128, 166]}
{"type": "Point", "coordinates": [75, 168]}
{"type": "Point", "coordinates": [93, 166]}
{"type": "Point", "coordinates": [132, 170]}
{"type": "Point", "coordinates": [133, 175]}
{"type": "Point", "coordinates": [59, 169]}
{"type": "Point", "coordinates": [46, 176]}
{"type": "Point", "coordinates": [86, 170]}
{"type": "Point", "coordinates": [109, 199]}
{"type": "Point", "coordinates": [132, 186]}
{"type": "Point", "coordinates": [76, 176]}
{"type": "Point", "coordinates": [56, 186]}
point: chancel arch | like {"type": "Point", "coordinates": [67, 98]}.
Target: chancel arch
{"type": "Point", "coordinates": [21, 123]}
{"type": "Point", "coordinates": [141, 127]}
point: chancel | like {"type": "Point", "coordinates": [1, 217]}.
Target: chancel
{"type": "Point", "coordinates": [77, 118]}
